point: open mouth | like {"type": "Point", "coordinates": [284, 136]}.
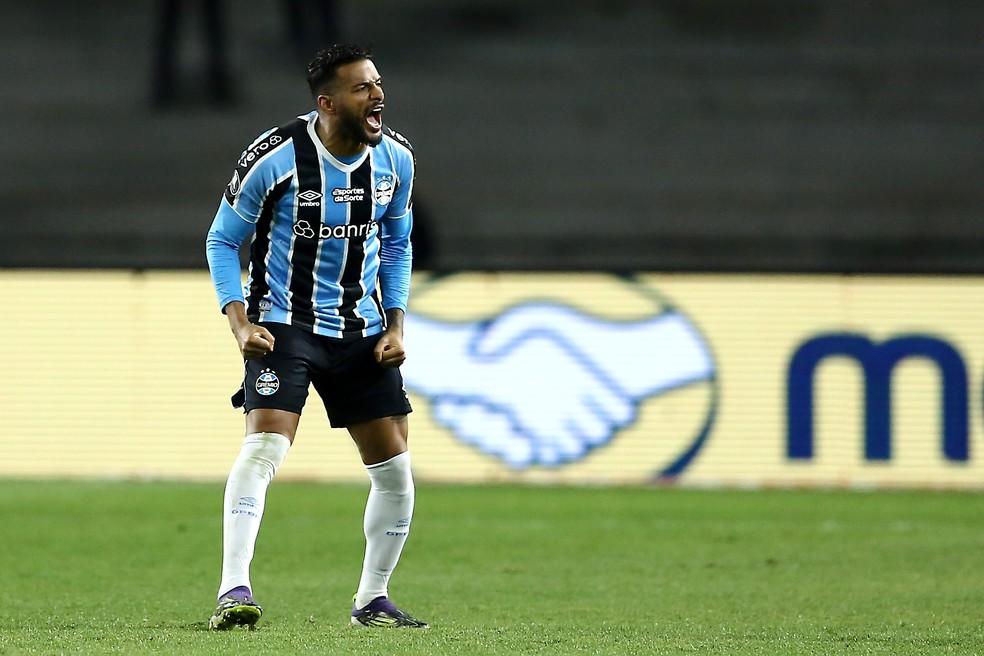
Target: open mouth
{"type": "Point", "coordinates": [375, 118]}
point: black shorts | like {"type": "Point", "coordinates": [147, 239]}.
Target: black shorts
{"type": "Point", "coordinates": [351, 384]}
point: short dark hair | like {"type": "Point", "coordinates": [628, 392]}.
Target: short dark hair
{"type": "Point", "coordinates": [322, 68]}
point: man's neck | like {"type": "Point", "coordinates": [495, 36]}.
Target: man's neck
{"type": "Point", "coordinates": [334, 143]}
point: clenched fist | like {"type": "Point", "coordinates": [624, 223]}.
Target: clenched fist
{"type": "Point", "coordinates": [254, 341]}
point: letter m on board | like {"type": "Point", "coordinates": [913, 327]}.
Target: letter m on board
{"type": "Point", "coordinates": [877, 362]}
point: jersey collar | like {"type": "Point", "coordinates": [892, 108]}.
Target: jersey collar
{"type": "Point", "coordinates": [334, 161]}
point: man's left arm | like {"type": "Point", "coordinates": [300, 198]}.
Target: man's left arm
{"type": "Point", "coordinates": [395, 262]}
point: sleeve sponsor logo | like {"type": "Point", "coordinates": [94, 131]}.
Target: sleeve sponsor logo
{"type": "Point", "coordinates": [250, 154]}
{"type": "Point", "coordinates": [399, 137]}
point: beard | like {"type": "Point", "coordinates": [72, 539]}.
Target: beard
{"type": "Point", "coordinates": [353, 126]}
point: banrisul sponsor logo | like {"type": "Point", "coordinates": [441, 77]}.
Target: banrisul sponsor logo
{"type": "Point", "coordinates": [305, 230]}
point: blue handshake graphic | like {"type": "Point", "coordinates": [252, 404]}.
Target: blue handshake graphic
{"type": "Point", "coordinates": [544, 383]}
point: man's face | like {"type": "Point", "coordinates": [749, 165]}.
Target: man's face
{"type": "Point", "coordinates": [357, 96]}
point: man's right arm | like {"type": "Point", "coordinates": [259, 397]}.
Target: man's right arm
{"type": "Point", "coordinates": [257, 171]}
{"type": "Point", "coordinates": [228, 231]}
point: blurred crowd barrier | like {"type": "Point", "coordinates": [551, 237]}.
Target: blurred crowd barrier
{"type": "Point", "coordinates": [744, 380]}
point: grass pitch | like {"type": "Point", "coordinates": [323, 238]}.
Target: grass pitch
{"type": "Point", "coordinates": [132, 568]}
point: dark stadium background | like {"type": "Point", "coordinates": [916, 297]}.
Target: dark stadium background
{"type": "Point", "coordinates": [815, 135]}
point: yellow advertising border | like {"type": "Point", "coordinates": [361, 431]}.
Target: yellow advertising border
{"type": "Point", "coordinates": [123, 374]}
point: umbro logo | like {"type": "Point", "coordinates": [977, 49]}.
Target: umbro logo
{"type": "Point", "coordinates": [309, 198]}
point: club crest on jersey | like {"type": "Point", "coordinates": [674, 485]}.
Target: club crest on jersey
{"type": "Point", "coordinates": [309, 198]}
{"type": "Point", "coordinates": [267, 383]}
{"type": "Point", "coordinates": [383, 193]}
{"type": "Point", "coordinates": [234, 184]}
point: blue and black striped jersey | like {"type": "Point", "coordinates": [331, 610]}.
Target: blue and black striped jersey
{"type": "Point", "coordinates": [324, 231]}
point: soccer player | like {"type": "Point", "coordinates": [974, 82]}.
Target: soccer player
{"type": "Point", "coordinates": [327, 201]}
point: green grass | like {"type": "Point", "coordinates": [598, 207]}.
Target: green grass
{"type": "Point", "coordinates": [132, 568]}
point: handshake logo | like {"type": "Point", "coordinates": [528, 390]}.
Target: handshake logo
{"type": "Point", "coordinates": [543, 384]}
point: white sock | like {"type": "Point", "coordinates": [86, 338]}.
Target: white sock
{"type": "Point", "coordinates": [387, 524]}
{"type": "Point", "coordinates": [245, 493]}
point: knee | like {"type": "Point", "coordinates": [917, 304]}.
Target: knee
{"type": "Point", "coordinates": [399, 485]}
{"type": "Point", "coordinates": [393, 477]}
{"type": "Point", "coordinates": [403, 488]}
{"type": "Point", "coordinates": [262, 454]}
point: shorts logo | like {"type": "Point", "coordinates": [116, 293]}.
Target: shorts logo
{"type": "Point", "coordinates": [309, 198]}
{"type": "Point", "coordinates": [267, 383]}
{"type": "Point", "coordinates": [265, 305]}
{"type": "Point", "coordinates": [383, 193]}
{"type": "Point", "coordinates": [234, 184]}
{"type": "Point", "coordinates": [348, 194]}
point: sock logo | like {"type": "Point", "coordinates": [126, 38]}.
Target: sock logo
{"type": "Point", "coordinates": [246, 506]}
{"type": "Point", "coordinates": [402, 527]}
{"type": "Point", "coordinates": [267, 383]}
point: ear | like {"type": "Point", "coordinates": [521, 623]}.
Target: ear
{"type": "Point", "coordinates": [325, 104]}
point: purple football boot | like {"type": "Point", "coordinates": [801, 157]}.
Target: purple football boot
{"type": "Point", "coordinates": [236, 608]}
{"type": "Point", "coordinates": [383, 612]}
